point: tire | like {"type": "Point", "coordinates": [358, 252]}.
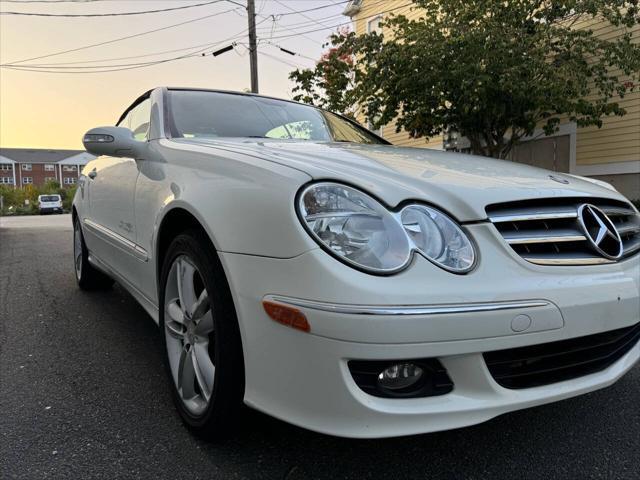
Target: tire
{"type": "Point", "coordinates": [87, 276]}
{"type": "Point", "coordinates": [201, 342]}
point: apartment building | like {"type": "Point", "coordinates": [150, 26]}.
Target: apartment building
{"type": "Point", "coordinates": [610, 153]}
{"type": "Point", "coordinates": [27, 166]}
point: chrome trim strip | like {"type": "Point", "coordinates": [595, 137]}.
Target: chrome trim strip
{"type": "Point", "coordinates": [569, 261]}
{"type": "Point", "coordinates": [624, 229]}
{"type": "Point", "coordinates": [406, 309]}
{"type": "Point", "coordinates": [524, 217]}
{"type": "Point", "coordinates": [617, 211]}
{"type": "Point", "coordinates": [516, 240]}
{"type": "Point", "coordinates": [127, 245]}
{"type": "Point", "coordinates": [629, 249]}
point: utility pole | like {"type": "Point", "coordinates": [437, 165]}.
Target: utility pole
{"type": "Point", "coordinates": [253, 45]}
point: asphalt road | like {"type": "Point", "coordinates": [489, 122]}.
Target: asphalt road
{"type": "Point", "coordinates": [83, 395]}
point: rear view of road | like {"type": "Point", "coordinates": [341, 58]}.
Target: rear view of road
{"type": "Point", "coordinates": [83, 394]}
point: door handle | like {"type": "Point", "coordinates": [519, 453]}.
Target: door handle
{"type": "Point", "coordinates": [92, 174]}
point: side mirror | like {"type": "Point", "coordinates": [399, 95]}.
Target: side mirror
{"type": "Point", "coordinates": [113, 141]}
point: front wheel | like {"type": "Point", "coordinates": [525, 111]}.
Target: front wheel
{"type": "Point", "coordinates": [202, 347]}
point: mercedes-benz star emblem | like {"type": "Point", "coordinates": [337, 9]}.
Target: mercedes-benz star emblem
{"type": "Point", "coordinates": [600, 231]}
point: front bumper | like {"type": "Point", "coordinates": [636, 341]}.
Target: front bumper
{"type": "Point", "coordinates": [303, 378]}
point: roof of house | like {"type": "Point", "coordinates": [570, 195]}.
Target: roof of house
{"type": "Point", "coordinates": [44, 155]}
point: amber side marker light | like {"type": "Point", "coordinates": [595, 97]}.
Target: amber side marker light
{"type": "Point", "coordinates": [288, 316]}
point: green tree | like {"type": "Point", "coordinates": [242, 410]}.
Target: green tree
{"type": "Point", "coordinates": [493, 71]}
{"type": "Point", "coordinates": [330, 83]}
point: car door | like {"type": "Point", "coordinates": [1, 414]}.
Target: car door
{"type": "Point", "coordinates": [112, 202]}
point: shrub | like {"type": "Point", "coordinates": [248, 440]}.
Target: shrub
{"type": "Point", "coordinates": [67, 197]}
{"type": "Point", "coordinates": [14, 198]}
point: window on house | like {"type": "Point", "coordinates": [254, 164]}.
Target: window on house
{"type": "Point", "coordinates": [69, 168]}
{"type": "Point", "coordinates": [27, 180]}
{"type": "Point", "coordinates": [49, 167]}
{"type": "Point", "coordinates": [5, 167]}
{"type": "Point", "coordinates": [26, 167]}
{"type": "Point", "coordinates": [70, 180]}
{"type": "Point", "coordinates": [373, 25]}
{"type": "Point", "coordinates": [6, 180]}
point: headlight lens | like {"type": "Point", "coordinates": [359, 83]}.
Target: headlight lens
{"type": "Point", "coordinates": [355, 227]}
{"type": "Point", "coordinates": [438, 238]}
{"type": "Point", "coordinates": [358, 229]}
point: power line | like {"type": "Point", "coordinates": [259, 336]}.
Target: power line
{"type": "Point", "coordinates": [273, 57]}
{"type": "Point", "coordinates": [90, 67]}
{"type": "Point", "coordinates": [290, 52]}
{"type": "Point", "coordinates": [286, 28]}
{"type": "Point", "coordinates": [276, 17]}
{"type": "Point", "coordinates": [62, 52]}
{"type": "Point", "coordinates": [109, 68]}
{"type": "Point", "coordinates": [142, 65]}
{"type": "Point", "coordinates": [297, 12]}
{"type": "Point", "coordinates": [107, 42]}
{"type": "Point", "coordinates": [80, 62]}
{"type": "Point", "coordinates": [58, 68]}
{"type": "Point", "coordinates": [278, 29]}
{"type": "Point", "coordinates": [345, 23]}
{"type": "Point", "coordinates": [118, 14]}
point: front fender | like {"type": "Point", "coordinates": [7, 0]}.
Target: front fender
{"type": "Point", "coordinates": [245, 204]}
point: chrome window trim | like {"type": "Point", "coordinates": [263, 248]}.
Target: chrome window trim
{"type": "Point", "coordinates": [437, 309]}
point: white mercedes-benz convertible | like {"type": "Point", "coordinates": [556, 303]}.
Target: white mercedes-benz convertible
{"type": "Point", "coordinates": [299, 264]}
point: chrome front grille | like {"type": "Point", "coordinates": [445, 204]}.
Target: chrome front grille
{"type": "Point", "coordinates": [549, 231]}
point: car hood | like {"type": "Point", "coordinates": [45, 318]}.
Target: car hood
{"type": "Point", "coordinates": [459, 183]}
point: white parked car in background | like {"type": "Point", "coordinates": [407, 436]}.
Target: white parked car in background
{"type": "Point", "coordinates": [300, 264]}
{"type": "Point", "coordinates": [50, 203]}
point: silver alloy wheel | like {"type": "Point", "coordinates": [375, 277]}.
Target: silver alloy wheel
{"type": "Point", "coordinates": [77, 249]}
{"type": "Point", "coordinates": [189, 329]}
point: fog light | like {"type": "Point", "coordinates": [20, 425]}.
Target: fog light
{"type": "Point", "coordinates": [400, 376]}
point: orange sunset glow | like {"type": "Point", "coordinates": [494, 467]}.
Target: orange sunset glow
{"type": "Point", "coordinates": [49, 102]}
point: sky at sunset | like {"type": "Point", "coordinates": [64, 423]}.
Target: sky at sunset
{"type": "Point", "coordinates": [53, 110]}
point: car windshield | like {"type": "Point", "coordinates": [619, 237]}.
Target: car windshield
{"type": "Point", "coordinates": [49, 198]}
{"type": "Point", "coordinates": [202, 114]}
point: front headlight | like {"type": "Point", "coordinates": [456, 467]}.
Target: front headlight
{"type": "Point", "coordinates": [438, 238]}
{"type": "Point", "coordinates": [359, 230]}
{"type": "Point", "coordinates": [354, 227]}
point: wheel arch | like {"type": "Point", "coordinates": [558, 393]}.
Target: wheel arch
{"type": "Point", "coordinates": [176, 220]}
{"type": "Point", "coordinates": [179, 218]}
